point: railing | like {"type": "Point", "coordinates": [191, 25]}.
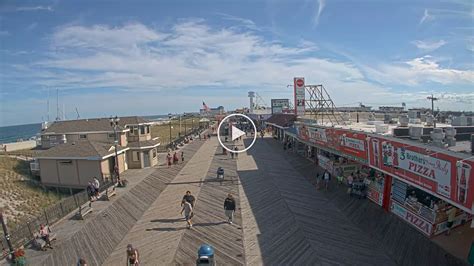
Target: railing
{"type": "Point", "coordinates": [24, 233]}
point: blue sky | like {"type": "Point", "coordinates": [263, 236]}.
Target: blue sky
{"type": "Point", "coordinates": [152, 57]}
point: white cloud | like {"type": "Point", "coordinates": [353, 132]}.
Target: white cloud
{"type": "Point", "coordinates": [135, 58]}
{"type": "Point", "coordinates": [429, 46]}
{"type": "Point", "coordinates": [32, 26]}
{"type": "Point", "coordinates": [419, 70]}
{"type": "Point", "coordinates": [319, 11]}
{"type": "Point", "coordinates": [35, 8]}
{"type": "Point", "coordinates": [426, 17]}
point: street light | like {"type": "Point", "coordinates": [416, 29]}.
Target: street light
{"type": "Point", "coordinates": [169, 116]}
{"type": "Point", "coordinates": [185, 130]}
{"type": "Point", "coordinates": [114, 123]}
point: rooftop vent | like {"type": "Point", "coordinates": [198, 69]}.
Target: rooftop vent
{"type": "Point", "coordinates": [437, 135]}
{"type": "Point", "coordinates": [403, 119]}
{"type": "Point", "coordinates": [450, 136]}
{"type": "Point", "coordinates": [415, 132]}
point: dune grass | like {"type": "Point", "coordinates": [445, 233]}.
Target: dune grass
{"type": "Point", "coordinates": [21, 198]}
{"type": "Point", "coordinates": [163, 131]}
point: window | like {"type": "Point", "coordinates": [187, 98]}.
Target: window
{"type": "Point", "coordinates": [131, 130]}
{"type": "Point", "coordinates": [142, 130]}
{"type": "Point", "coordinates": [83, 136]}
{"type": "Point", "coordinates": [147, 129]}
{"type": "Point", "coordinates": [136, 156]}
{"type": "Point", "coordinates": [52, 138]}
{"type": "Point", "coordinates": [65, 162]}
{"type": "Point", "coordinates": [154, 153]}
{"type": "Point", "coordinates": [135, 130]}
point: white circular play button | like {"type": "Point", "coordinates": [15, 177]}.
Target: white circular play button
{"type": "Point", "coordinates": [235, 131]}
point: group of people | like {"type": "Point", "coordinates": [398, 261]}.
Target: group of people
{"type": "Point", "coordinates": [188, 203]}
{"type": "Point", "coordinates": [131, 253]}
{"type": "Point", "coordinates": [93, 189]}
{"type": "Point", "coordinates": [174, 159]}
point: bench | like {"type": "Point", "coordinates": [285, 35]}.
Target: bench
{"type": "Point", "coordinates": [109, 192]}
{"type": "Point", "coordinates": [84, 210]}
{"type": "Point", "coordinates": [40, 243]}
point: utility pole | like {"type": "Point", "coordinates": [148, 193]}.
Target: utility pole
{"type": "Point", "coordinates": [433, 99]}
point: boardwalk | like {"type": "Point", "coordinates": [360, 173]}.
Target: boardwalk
{"type": "Point", "coordinates": [281, 218]}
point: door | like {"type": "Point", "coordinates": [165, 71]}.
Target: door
{"type": "Point", "coordinates": [146, 159]}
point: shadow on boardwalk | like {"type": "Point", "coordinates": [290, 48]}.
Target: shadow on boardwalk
{"type": "Point", "coordinates": [401, 242]}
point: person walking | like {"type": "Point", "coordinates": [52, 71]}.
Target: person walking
{"type": "Point", "coordinates": [175, 158]}
{"type": "Point", "coordinates": [188, 212]}
{"type": "Point", "coordinates": [229, 208]}
{"type": "Point", "coordinates": [231, 155]}
{"type": "Point", "coordinates": [132, 256]}
{"type": "Point", "coordinates": [168, 158]}
{"type": "Point", "coordinates": [236, 152]}
{"type": "Point", "coordinates": [182, 156]}
{"type": "Point", "coordinates": [350, 181]}
{"type": "Point", "coordinates": [451, 213]}
{"type": "Point", "coordinates": [189, 198]}
{"type": "Point", "coordinates": [327, 177]}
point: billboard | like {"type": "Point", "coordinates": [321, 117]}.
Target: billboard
{"type": "Point", "coordinates": [280, 105]}
{"type": "Point", "coordinates": [444, 175]}
{"type": "Point", "coordinates": [299, 96]}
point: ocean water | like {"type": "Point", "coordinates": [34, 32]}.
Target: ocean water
{"type": "Point", "coordinates": [14, 133]}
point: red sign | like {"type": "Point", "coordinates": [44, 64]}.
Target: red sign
{"type": "Point", "coordinates": [299, 82]}
{"type": "Point", "coordinates": [445, 176]}
{"type": "Point", "coordinates": [341, 140]}
{"type": "Point", "coordinates": [421, 224]}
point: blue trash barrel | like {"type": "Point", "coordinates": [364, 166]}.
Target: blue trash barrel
{"type": "Point", "coordinates": [205, 256]}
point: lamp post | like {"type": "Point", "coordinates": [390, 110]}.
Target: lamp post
{"type": "Point", "coordinates": [114, 122]}
{"type": "Point", "coordinates": [169, 116]}
{"type": "Point", "coordinates": [185, 129]}
{"type": "Point", "coordinates": [192, 123]}
{"type": "Point", "coordinates": [7, 236]}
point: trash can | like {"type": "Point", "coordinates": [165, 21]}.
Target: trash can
{"type": "Point", "coordinates": [205, 256]}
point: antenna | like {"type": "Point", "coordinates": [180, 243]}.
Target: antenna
{"type": "Point", "coordinates": [64, 111]}
{"type": "Point", "coordinates": [57, 105]}
{"type": "Point", "coordinates": [47, 111]}
{"type": "Point", "coordinates": [77, 112]}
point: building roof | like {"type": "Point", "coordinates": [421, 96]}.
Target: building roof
{"type": "Point", "coordinates": [91, 125]}
{"type": "Point", "coordinates": [282, 120]}
{"type": "Point", "coordinates": [143, 144]}
{"type": "Point", "coordinates": [81, 149]}
{"type": "Point", "coordinates": [133, 120]}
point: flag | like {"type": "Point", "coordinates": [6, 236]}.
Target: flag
{"type": "Point", "coordinates": [205, 107]}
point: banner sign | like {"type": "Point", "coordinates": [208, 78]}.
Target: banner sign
{"type": "Point", "coordinates": [341, 140]}
{"type": "Point", "coordinates": [278, 105]}
{"type": "Point", "coordinates": [420, 223]}
{"type": "Point", "coordinates": [445, 176]}
{"type": "Point", "coordinates": [299, 96]}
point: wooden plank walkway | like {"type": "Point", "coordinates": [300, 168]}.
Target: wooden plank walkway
{"type": "Point", "coordinates": [158, 232]}
{"type": "Point", "coordinates": [293, 224]}
{"type": "Point", "coordinates": [210, 222]}
{"type": "Point", "coordinates": [98, 237]}
{"type": "Point", "coordinates": [403, 243]}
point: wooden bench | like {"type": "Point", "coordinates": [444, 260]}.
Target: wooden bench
{"type": "Point", "coordinates": [109, 192]}
{"type": "Point", "coordinates": [40, 243]}
{"type": "Point", "coordinates": [84, 210]}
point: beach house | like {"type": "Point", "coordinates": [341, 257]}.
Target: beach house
{"type": "Point", "coordinates": [77, 150]}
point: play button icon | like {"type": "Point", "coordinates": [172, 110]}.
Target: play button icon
{"type": "Point", "coordinates": [236, 133]}
{"type": "Point", "coordinates": [235, 126]}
